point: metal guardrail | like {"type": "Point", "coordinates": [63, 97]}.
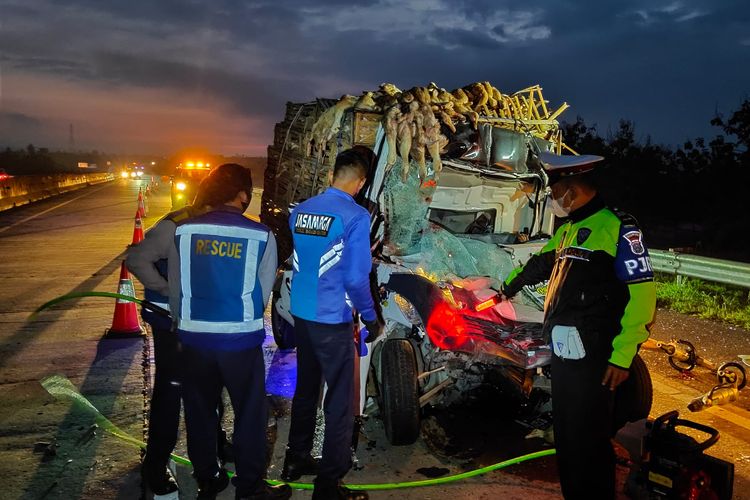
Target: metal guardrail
{"type": "Point", "coordinates": [705, 268]}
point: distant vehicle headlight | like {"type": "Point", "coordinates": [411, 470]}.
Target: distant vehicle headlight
{"type": "Point", "coordinates": [124, 175]}
{"type": "Point", "coordinates": [181, 186]}
{"type": "Point", "coordinates": [139, 173]}
{"type": "Point", "coordinates": [132, 174]}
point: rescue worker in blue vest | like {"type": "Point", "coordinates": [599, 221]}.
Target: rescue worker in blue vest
{"type": "Point", "coordinates": [219, 287]}
{"type": "Point", "coordinates": [332, 263]}
{"type": "Point", "coordinates": [221, 267]}
{"type": "Point", "coordinates": [164, 418]}
{"type": "Point", "coordinates": [600, 303]}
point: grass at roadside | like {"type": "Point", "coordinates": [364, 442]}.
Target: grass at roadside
{"type": "Point", "coordinates": [703, 299]}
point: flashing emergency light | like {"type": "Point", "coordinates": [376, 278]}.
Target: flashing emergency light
{"type": "Point", "coordinates": [132, 174]}
{"type": "Point", "coordinates": [199, 164]}
{"type": "Point", "coordinates": [139, 173]}
{"type": "Point", "coordinates": [190, 164]}
{"type": "Point", "coordinates": [181, 186]}
{"type": "Point", "coordinates": [124, 175]}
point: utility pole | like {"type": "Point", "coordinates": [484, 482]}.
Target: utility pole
{"type": "Point", "coordinates": [71, 139]}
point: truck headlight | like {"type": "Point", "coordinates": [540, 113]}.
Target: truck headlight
{"type": "Point", "coordinates": [181, 186]}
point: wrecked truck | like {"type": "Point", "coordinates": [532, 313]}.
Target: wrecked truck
{"type": "Point", "coordinates": [457, 198]}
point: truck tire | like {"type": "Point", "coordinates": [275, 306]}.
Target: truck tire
{"type": "Point", "coordinates": [399, 394]}
{"type": "Point", "coordinates": [634, 396]}
{"type": "Point", "coordinates": [283, 332]}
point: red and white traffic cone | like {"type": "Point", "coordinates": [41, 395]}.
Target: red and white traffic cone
{"type": "Point", "coordinates": [141, 203]}
{"type": "Point", "coordinates": [125, 320]}
{"type": "Point", "coordinates": [137, 229]}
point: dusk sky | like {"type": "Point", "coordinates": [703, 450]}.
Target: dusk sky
{"type": "Point", "coordinates": [157, 76]}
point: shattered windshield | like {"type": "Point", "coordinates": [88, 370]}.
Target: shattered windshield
{"type": "Point", "coordinates": [438, 241]}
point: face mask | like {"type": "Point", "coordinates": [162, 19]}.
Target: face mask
{"type": "Point", "coordinates": [560, 207]}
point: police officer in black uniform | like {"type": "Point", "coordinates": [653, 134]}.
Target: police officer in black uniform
{"type": "Point", "coordinates": [600, 303]}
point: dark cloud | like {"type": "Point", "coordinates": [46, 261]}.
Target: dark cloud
{"type": "Point", "coordinates": [466, 39]}
{"type": "Point", "coordinates": [246, 94]}
{"type": "Point", "coordinates": [19, 129]}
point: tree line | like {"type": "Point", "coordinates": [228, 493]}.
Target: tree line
{"type": "Point", "coordinates": [33, 160]}
{"type": "Point", "coordinates": [692, 197]}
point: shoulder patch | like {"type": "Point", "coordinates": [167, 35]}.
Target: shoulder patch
{"type": "Point", "coordinates": [634, 239]}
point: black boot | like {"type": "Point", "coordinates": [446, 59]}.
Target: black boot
{"type": "Point", "coordinates": [326, 489]}
{"type": "Point", "coordinates": [159, 480]}
{"type": "Point", "coordinates": [266, 492]}
{"type": "Point", "coordinates": [209, 488]}
{"type": "Point", "coordinates": [295, 467]}
{"type": "Point", "coordinates": [225, 450]}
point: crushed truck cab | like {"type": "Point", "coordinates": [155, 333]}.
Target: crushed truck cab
{"type": "Point", "coordinates": [458, 199]}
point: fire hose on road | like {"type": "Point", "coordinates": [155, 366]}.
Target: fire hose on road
{"type": "Point", "coordinates": [61, 388]}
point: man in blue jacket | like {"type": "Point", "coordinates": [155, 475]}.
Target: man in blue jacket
{"type": "Point", "coordinates": [332, 264]}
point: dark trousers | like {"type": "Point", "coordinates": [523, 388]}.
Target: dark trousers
{"type": "Point", "coordinates": [164, 418]}
{"type": "Point", "coordinates": [324, 353]}
{"type": "Point", "coordinates": [582, 413]}
{"type": "Point", "coordinates": [206, 372]}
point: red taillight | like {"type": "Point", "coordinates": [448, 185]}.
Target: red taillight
{"type": "Point", "coordinates": [446, 327]}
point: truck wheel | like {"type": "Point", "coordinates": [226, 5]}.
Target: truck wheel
{"type": "Point", "coordinates": [399, 394]}
{"type": "Point", "coordinates": [634, 396]}
{"type": "Point", "coordinates": [283, 332]}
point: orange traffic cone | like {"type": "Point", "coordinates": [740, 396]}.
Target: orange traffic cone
{"type": "Point", "coordinates": [137, 229]}
{"type": "Point", "coordinates": [125, 321]}
{"type": "Point", "coordinates": [141, 203]}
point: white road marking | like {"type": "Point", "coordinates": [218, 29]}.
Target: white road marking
{"type": "Point", "coordinates": [2, 229]}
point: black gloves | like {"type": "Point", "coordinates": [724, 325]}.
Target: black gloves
{"type": "Point", "coordinates": [374, 329]}
{"type": "Point", "coordinates": [507, 292]}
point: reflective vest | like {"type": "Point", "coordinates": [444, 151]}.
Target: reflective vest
{"type": "Point", "coordinates": [600, 281]}
{"type": "Point", "coordinates": [220, 293]}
